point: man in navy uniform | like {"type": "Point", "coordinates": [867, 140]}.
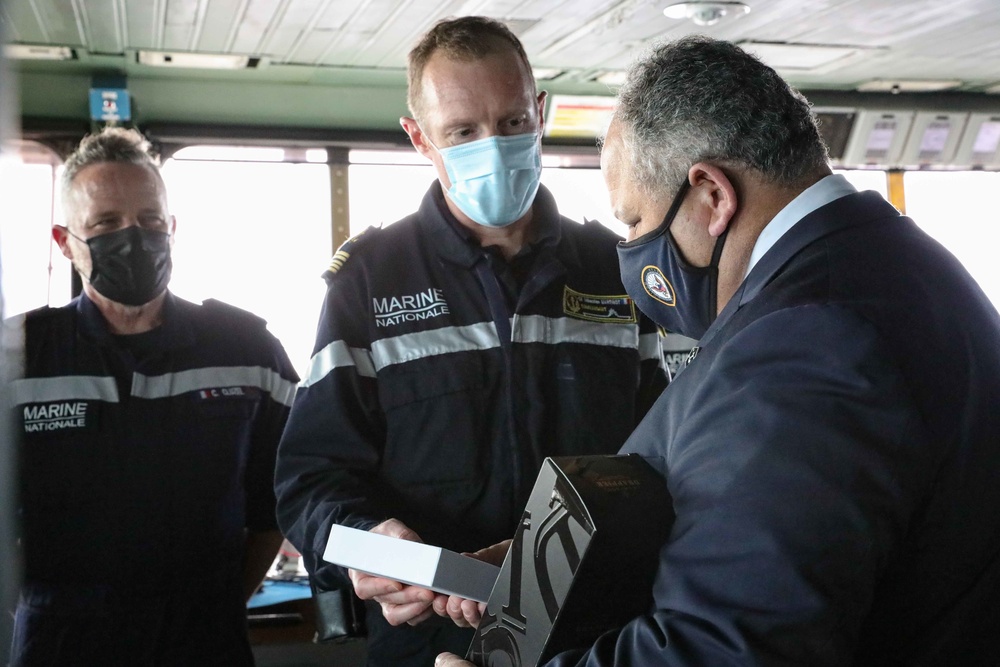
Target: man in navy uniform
{"type": "Point", "coordinates": [832, 447]}
{"type": "Point", "coordinates": [460, 346]}
{"type": "Point", "coordinates": [148, 428]}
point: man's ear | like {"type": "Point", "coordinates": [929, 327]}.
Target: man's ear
{"type": "Point", "coordinates": [542, 97]}
{"type": "Point", "coordinates": [714, 191]}
{"type": "Point", "coordinates": [60, 235]}
{"type": "Point", "coordinates": [417, 136]}
{"type": "Point", "coordinates": [173, 230]}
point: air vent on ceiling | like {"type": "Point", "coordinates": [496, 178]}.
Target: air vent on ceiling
{"type": "Point", "coordinates": [802, 57]}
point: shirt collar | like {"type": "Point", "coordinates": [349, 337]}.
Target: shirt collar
{"type": "Point", "coordinates": [177, 329]}
{"type": "Point", "coordinates": [544, 220]}
{"type": "Point", "coordinates": [818, 194]}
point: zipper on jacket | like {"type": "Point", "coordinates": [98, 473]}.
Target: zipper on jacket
{"type": "Point", "coordinates": [502, 321]}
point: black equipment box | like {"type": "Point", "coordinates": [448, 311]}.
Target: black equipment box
{"type": "Point", "coordinates": [582, 560]}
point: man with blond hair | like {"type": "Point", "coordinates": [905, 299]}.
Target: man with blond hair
{"type": "Point", "coordinates": [460, 346]}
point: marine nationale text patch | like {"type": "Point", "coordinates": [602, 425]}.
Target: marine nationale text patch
{"type": "Point", "coordinates": [598, 307]}
{"type": "Point", "coordinates": [409, 308]}
{"type": "Point", "coordinates": [58, 416]}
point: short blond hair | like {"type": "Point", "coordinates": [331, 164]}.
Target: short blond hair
{"type": "Point", "coordinates": [465, 38]}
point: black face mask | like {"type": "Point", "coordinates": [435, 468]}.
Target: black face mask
{"type": "Point", "coordinates": [679, 297]}
{"type": "Point", "coordinates": [131, 265]}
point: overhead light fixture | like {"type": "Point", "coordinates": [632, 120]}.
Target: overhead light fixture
{"type": "Point", "coordinates": [706, 13]}
{"type": "Point", "coordinates": [546, 73]}
{"type": "Point", "coordinates": [799, 56]}
{"type": "Point", "coordinates": [38, 52]}
{"type": "Point", "coordinates": [907, 85]}
{"type": "Point", "coordinates": [197, 60]}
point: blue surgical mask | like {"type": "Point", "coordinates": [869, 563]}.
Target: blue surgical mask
{"type": "Point", "coordinates": [494, 180]}
{"type": "Point", "coordinates": [679, 297]}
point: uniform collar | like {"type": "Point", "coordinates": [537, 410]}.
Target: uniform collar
{"type": "Point", "coordinates": [819, 194]}
{"type": "Point", "coordinates": [177, 328]}
{"type": "Point", "coordinates": [839, 214]}
{"type": "Point", "coordinates": [457, 244]}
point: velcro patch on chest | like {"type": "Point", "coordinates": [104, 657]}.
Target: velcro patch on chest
{"type": "Point", "coordinates": [59, 416]}
{"type": "Point", "coordinates": [599, 307]}
{"type": "Point", "coordinates": [218, 393]}
{"type": "Point", "coordinates": [424, 305]}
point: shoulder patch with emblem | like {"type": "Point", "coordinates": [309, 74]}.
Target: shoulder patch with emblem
{"type": "Point", "coordinates": [343, 254]}
{"type": "Point", "coordinates": [617, 308]}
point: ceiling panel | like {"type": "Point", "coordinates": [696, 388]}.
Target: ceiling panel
{"type": "Point", "coordinates": [401, 31]}
{"type": "Point", "coordinates": [221, 19]}
{"type": "Point", "coordinates": [142, 24]}
{"type": "Point", "coordinates": [254, 23]}
{"type": "Point", "coordinates": [57, 20]}
{"type": "Point", "coordinates": [102, 25]}
{"type": "Point", "coordinates": [299, 21]}
{"type": "Point", "coordinates": [938, 39]}
{"type": "Point", "coordinates": [22, 22]}
{"type": "Point", "coordinates": [338, 12]}
{"type": "Point", "coordinates": [179, 23]}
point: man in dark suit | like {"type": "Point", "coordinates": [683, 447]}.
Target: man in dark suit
{"type": "Point", "coordinates": [832, 446]}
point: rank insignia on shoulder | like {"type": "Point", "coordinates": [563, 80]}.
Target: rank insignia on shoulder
{"type": "Point", "coordinates": [343, 254]}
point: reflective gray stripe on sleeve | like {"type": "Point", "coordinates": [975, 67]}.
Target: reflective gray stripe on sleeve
{"type": "Point", "coordinates": [65, 388]}
{"type": "Point", "coordinates": [554, 330]}
{"type": "Point", "coordinates": [400, 349]}
{"type": "Point", "coordinates": [472, 337]}
{"type": "Point", "coordinates": [174, 384]}
{"type": "Point", "coordinates": [649, 347]}
{"type": "Point", "coordinates": [337, 355]}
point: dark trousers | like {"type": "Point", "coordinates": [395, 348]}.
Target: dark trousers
{"type": "Point", "coordinates": [101, 628]}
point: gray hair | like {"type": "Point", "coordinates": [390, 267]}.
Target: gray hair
{"type": "Point", "coordinates": [699, 99]}
{"type": "Point", "coordinates": [112, 144]}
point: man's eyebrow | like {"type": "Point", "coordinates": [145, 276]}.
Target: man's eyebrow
{"type": "Point", "coordinates": [104, 213]}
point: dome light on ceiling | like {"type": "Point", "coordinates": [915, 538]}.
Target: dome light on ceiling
{"type": "Point", "coordinates": [706, 13]}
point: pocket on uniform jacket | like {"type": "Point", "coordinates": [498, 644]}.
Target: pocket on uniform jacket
{"type": "Point", "coordinates": [436, 421]}
{"type": "Point", "coordinates": [428, 378]}
{"type": "Point", "coordinates": [62, 453]}
{"type": "Point", "coordinates": [212, 434]}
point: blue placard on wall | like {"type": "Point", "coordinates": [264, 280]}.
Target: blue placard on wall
{"type": "Point", "coordinates": [110, 104]}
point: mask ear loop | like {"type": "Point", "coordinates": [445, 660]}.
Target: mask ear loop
{"type": "Point", "coordinates": [668, 219]}
{"type": "Point", "coordinates": [84, 241]}
{"type": "Point", "coordinates": [713, 266]}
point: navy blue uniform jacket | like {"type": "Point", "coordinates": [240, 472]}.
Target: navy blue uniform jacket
{"type": "Point", "coordinates": [139, 474]}
{"type": "Point", "coordinates": [436, 390]}
{"type": "Point", "coordinates": [833, 454]}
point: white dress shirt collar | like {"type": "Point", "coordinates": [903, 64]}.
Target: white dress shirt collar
{"type": "Point", "coordinates": [818, 194]}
